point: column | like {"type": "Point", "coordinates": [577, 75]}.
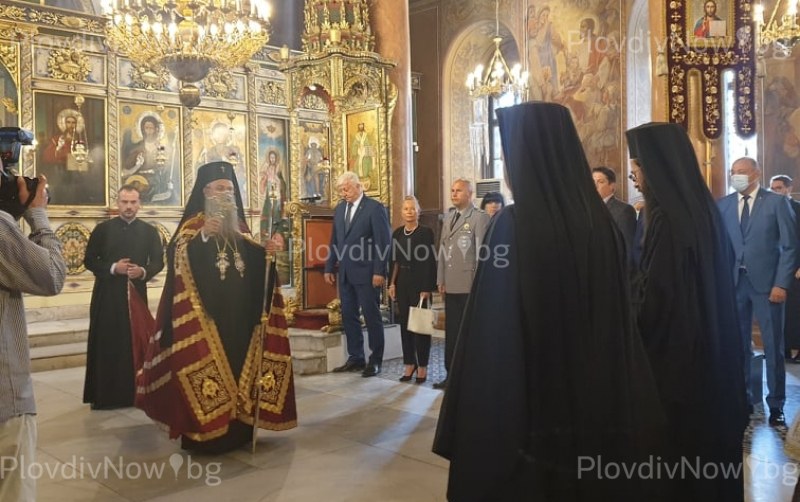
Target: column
{"type": "Point", "coordinates": [392, 41]}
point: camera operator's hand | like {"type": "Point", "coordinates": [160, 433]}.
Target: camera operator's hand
{"type": "Point", "coordinates": [121, 267]}
{"type": "Point", "coordinates": [40, 199]}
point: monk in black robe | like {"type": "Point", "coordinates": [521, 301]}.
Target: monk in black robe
{"type": "Point", "coordinates": [686, 308]}
{"type": "Point", "coordinates": [120, 250]}
{"type": "Point", "coordinates": [550, 381]}
{"type": "Point", "coordinates": [203, 383]}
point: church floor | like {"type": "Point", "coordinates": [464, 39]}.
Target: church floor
{"type": "Point", "coordinates": [359, 439]}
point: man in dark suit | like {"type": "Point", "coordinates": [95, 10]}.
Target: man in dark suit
{"type": "Point", "coordinates": [761, 227]}
{"type": "Point", "coordinates": [360, 246]}
{"type": "Point", "coordinates": [624, 216]}
{"type": "Point", "coordinates": [782, 184]}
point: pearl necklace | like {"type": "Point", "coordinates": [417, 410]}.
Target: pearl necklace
{"type": "Point", "coordinates": [407, 233]}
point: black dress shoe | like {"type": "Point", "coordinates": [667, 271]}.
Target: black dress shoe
{"type": "Point", "coordinates": [371, 370]}
{"type": "Point", "coordinates": [349, 366]}
{"type": "Point", "coordinates": [440, 385]}
{"type": "Point", "coordinates": [776, 417]}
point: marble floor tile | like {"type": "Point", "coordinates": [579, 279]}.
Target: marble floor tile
{"type": "Point", "coordinates": [358, 439]}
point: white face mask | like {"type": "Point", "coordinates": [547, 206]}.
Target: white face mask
{"type": "Point", "coordinates": [740, 182]}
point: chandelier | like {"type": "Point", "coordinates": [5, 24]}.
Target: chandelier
{"type": "Point", "coordinates": [498, 79]}
{"type": "Point", "coordinates": [783, 33]}
{"type": "Point", "coordinates": [188, 37]}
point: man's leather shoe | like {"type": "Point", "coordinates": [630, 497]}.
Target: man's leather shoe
{"type": "Point", "coordinates": [440, 385]}
{"type": "Point", "coordinates": [349, 366]}
{"type": "Point", "coordinates": [776, 417]}
{"type": "Point", "coordinates": [371, 370]}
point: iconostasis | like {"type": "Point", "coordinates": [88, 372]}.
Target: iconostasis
{"type": "Point", "coordinates": [101, 121]}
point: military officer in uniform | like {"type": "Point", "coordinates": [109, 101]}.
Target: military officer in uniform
{"type": "Point", "coordinates": [462, 233]}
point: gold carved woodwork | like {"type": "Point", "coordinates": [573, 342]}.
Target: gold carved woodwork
{"type": "Point", "coordinates": [68, 63]}
{"type": "Point", "coordinates": [339, 84]}
{"type": "Point", "coordinates": [711, 56]}
{"type": "Point", "coordinates": [74, 238]}
{"type": "Point", "coordinates": [12, 13]}
{"type": "Point", "coordinates": [10, 59]}
{"type": "Point", "coordinates": [272, 93]}
{"type": "Point", "coordinates": [334, 316]}
{"type": "Point", "coordinates": [313, 102]}
{"type": "Point", "coordinates": [149, 77]}
{"type": "Point", "coordinates": [220, 83]}
{"type": "Point", "coordinates": [296, 212]}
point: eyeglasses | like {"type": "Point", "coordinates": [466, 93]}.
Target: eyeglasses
{"type": "Point", "coordinates": [632, 177]}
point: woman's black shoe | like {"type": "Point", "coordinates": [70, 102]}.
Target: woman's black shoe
{"type": "Point", "coordinates": [407, 378]}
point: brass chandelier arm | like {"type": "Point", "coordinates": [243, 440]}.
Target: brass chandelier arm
{"type": "Point", "coordinates": [189, 37]}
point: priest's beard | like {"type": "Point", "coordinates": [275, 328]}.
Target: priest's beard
{"type": "Point", "coordinates": [224, 207]}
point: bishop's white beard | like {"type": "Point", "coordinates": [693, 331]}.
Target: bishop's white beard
{"type": "Point", "coordinates": [224, 207]}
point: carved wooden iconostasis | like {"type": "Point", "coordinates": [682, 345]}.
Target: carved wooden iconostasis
{"type": "Point", "coordinates": [101, 121]}
{"type": "Point", "coordinates": [340, 75]}
{"type": "Point", "coordinates": [291, 125]}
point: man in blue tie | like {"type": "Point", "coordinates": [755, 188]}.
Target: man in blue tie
{"type": "Point", "coordinates": [761, 227]}
{"type": "Point", "coordinates": [360, 247]}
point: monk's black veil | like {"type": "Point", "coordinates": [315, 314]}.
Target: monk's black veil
{"type": "Point", "coordinates": [687, 314]}
{"type": "Point", "coordinates": [587, 386]}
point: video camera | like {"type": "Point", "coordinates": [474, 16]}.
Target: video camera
{"type": "Point", "coordinates": [12, 139]}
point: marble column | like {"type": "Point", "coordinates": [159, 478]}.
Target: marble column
{"type": "Point", "coordinates": [393, 42]}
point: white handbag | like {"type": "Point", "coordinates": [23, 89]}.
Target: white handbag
{"type": "Point", "coordinates": [421, 320]}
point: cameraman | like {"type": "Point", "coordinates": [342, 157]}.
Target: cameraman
{"type": "Point", "coordinates": [31, 265]}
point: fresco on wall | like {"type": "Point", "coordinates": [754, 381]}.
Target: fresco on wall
{"type": "Point", "coordinates": [782, 120]}
{"type": "Point", "coordinates": [574, 59]}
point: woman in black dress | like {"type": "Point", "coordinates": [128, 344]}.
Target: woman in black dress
{"type": "Point", "coordinates": [413, 277]}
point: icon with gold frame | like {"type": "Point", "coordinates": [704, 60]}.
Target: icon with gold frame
{"type": "Point", "coordinates": [70, 133]}
{"type": "Point", "coordinates": [710, 24]}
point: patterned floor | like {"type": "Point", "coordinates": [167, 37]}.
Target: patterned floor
{"type": "Point", "coordinates": [393, 368]}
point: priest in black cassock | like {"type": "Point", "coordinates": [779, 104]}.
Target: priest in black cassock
{"type": "Point", "coordinates": [211, 314]}
{"type": "Point", "coordinates": [120, 250]}
{"type": "Point", "coordinates": [550, 382]}
{"type": "Point", "coordinates": [686, 310]}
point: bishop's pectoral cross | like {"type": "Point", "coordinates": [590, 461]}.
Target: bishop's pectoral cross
{"type": "Point", "coordinates": [222, 263]}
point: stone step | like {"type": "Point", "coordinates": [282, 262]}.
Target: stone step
{"type": "Point", "coordinates": [62, 344]}
{"type": "Point", "coordinates": [309, 362]}
{"type": "Point", "coordinates": [312, 340]}
{"type": "Point", "coordinates": [58, 344]}
{"type": "Point", "coordinates": [42, 314]}
{"type": "Point", "coordinates": [55, 357]}
{"type": "Point", "coordinates": [68, 331]}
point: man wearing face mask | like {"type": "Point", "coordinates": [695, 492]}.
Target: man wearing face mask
{"type": "Point", "coordinates": [761, 227]}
